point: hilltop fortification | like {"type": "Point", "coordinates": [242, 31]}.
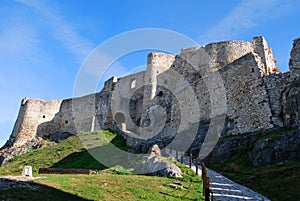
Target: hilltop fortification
{"type": "Point", "coordinates": [155, 105]}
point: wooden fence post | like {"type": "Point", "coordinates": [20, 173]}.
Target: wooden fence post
{"type": "Point", "coordinates": [197, 166]}
{"type": "Point", "coordinates": [206, 183]}
{"type": "Point", "coordinates": [191, 159]}
{"type": "Point", "coordinates": [207, 189]}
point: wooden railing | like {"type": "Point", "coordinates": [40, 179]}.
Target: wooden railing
{"type": "Point", "coordinates": [207, 192]}
{"type": "Point", "coordinates": [206, 183]}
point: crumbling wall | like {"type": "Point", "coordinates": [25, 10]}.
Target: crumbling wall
{"type": "Point", "coordinates": [247, 104]}
{"type": "Point", "coordinates": [127, 101]}
{"type": "Point", "coordinates": [261, 48]}
{"type": "Point", "coordinates": [33, 112]}
{"type": "Point", "coordinates": [222, 53]}
{"type": "Point", "coordinates": [275, 85]}
{"type": "Point", "coordinates": [104, 115]}
{"type": "Point", "coordinates": [157, 63]}
{"type": "Point", "coordinates": [39, 118]}
{"type": "Point", "coordinates": [256, 98]}
{"type": "Point", "coordinates": [284, 94]}
{"type": "Point", "coordinates": [242, 66]}
{"type": "Point", "coordinates": [247, 98]}
{"type": "Point", "coordinates": [247, 108]}
{"type": "Point", "coordinates": [294, 63]}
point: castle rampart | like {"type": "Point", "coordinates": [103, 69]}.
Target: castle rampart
{"type": "Point", "coordinates": [33, 112]}
{"type": "Point", "coordinates": [257, 97]}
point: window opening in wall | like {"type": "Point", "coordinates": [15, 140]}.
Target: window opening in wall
{"type": "Point", "coordinates": [133, 84]}
{"type": "Point", "coordinates": [160, 94]}
{"type": "Point", "coordinates": [44, 116]}
{"type": "Point", "coordinates": [66, 122]}
{"type": "Point", "coordinates": [120, 119]}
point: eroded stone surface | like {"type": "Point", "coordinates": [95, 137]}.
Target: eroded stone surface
{"type": "Point", "coordinates": [176, 95]}
{"type": "Point", "coordinates": [295, 58]}
{"type": "Point", "coordinates": [154, 164]}
{"type": "Point", "coordinates": [271, 150]}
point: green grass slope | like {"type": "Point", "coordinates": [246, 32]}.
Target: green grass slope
{"type": "Point", "coordinates": [108, 185]}
{"type": "Point", "coordinates": [69, 153]}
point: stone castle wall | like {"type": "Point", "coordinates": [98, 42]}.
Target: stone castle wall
{"type": "Point", "coordinates": [39, 118]}
{"type": "Point", "coordinates": [32, 113]}
{"type": "Point", "coordinates": [295, 58]}
{"type": "Point", "coordinates": [256, 98]}
{"type": "Point", "coordinates": [247, 99]}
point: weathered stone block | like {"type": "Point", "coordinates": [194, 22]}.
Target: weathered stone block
{"type": "Point", "coordinates": [27, 171]}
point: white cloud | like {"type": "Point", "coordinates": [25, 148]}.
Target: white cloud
{"type": "Point", "coordinates": [18, 39]}
{"type": "Point", "coordinates": [62, 30]}
{"type": "Point", "coordinates": [72, 41]}
{"type": "Point", "coordinates": [19, 45]}
{"type": "Point", "coordinates": [22, 56]}
{"type": "Point", "coordinates": [247, 14]}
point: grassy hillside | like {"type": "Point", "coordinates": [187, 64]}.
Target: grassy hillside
{"type": "Point", "coordinates": [108, 185]}
{"type": "Point", "coordinates": [69, 153]}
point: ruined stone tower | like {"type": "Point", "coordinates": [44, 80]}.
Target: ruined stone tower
{"type": "Point", "coordinates": [156, 104]}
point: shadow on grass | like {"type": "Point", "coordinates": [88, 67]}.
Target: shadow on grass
{"type": "Point", "coordinates": [19, 190]}
{"type": "Point", "coordinates": [94, 156]}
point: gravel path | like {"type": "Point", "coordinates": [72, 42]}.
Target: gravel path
{"type": "Point", "coordinates": [224, 189]}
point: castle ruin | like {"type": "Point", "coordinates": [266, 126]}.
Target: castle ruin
{"type": "Point", "coordinates": [159, 103]}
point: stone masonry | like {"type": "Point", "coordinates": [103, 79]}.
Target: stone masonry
{"type": "Point", "coordinates": [158, 104]}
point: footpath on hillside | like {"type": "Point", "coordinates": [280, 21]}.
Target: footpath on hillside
{"type": "Point", "coordinates": [223, 189]}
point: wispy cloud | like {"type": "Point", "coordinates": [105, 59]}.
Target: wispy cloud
{"type": "Point", "coordinates": [71, 39]}
{"type": "Point", "coordinates": [23, 58]}
{"type": "Point", "coordinates": [18, 39]}
{"type": "Point", "coordinates": [19, 45]}
{"type": "Point", "coordinates": [247, 14]}
{"type": "Point", "coordinates": [62, 30]}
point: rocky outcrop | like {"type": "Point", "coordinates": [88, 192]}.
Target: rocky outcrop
{"type": "Point", "coordinates": [10, 152]}
{"type": "Point", "coordinates": [156, 165]}
{"type": "Point", "coordinates": [278, 149]}
{"type": "Point", "coordinates": [260, 148]}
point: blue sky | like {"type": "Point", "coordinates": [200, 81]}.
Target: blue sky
{"type": "Point", "coordinates": [43, 43]}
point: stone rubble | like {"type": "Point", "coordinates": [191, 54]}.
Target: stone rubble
{"type": "Point", "coordinates": [156, 165]}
